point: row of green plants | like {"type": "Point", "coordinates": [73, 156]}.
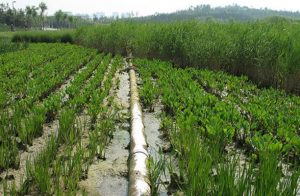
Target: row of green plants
{"type": "Point", "coordinates": [271, 112]}
{"type": "Point", "coordinates": [60, 175]}
{"type": "Point", "coordinates": [265, 51]}
{"type": "Point", "coordinates": [54, 76]}
{"type": "Point", "coordinates": [13, 71]}
{"type": "Point", "coordinates": [79, 101]}
{"type": "Point", "coordinates": [21, 71]}
{"type": "Point", "coordinates": [259, 116]}
{"type": "Point", "coordinates": [99, 95]}
{"type": "Point", "coordinates": [48, 81]}
{"type": "Point", "coordinates": [26, 123]}
{"type": "Point", "coordinates": [51, 77]}
{"type": "Point", "coordinates": [202, 130]}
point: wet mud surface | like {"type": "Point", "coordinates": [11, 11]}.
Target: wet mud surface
{"type": "Point", "coordinates": [156, 143]}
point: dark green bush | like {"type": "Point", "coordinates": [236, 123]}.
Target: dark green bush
{"type": "Point", "coordinates": [43, 36]}
{"type": "Point", "coordinates": [66, 38]}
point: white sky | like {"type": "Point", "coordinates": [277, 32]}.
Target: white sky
{"type": "Point", "coordinates": [147, 7]}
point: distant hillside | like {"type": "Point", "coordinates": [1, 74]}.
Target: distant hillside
{"type": "Point", "coordinates": [228, 13]}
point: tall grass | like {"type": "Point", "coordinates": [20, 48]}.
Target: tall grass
{"type": "Point", "coordinates": [265, 51]}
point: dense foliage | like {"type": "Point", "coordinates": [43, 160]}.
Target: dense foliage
{"type": "Point", "coordinates": [267, 51]}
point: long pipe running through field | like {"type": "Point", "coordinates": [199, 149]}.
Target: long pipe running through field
{"type": "Point", "coordinates": [138, 173]}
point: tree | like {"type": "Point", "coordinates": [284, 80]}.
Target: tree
{"type": "Point", "coordinates": [34, 13]}
{"type": "Point", "coordinates": [43, 8]}
{"type": "Point", "coordinates": [3, 11]}
{"type": "Point", "coordinates": [9, 17]}
{"type": "Point", "coordinates": [58, 18]}
{"type": "Point", "coordinates": [95, 18]}
{"type": "Point", "coordinates": [71, 20]}
{"type": "Point", "coordinates": [20, 18]}
{"type": "Point", "coordinates": [30, 15]}
{"type": "Point", "coordinates": [65, 17]}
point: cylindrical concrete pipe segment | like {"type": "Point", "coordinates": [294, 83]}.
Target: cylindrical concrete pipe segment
{"type": "Point", "coordinates": [138, 173]}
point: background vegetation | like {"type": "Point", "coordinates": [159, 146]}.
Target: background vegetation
{"type": "Point", "coordinates": [227, 13]}
{"type": "Point", "coordinates": [6, 45]}
{"type": "Point", "coordinates": [266, 51]}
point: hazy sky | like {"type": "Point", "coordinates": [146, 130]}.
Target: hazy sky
{"type": "Point", "coordinates": [146, 7]}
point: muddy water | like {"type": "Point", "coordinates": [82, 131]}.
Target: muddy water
{"type": "Point", "coordinates": [109, 176]}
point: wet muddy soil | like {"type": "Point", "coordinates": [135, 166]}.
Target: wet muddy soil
{"type": "Point", "coordinates": [156, 143]}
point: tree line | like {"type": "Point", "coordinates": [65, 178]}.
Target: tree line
{"type": "Point", "coordinates": [227, 13]}
{"type": "Point", "coordinates": [34, 17]}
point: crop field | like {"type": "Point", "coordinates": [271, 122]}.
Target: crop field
{"type": "Point", "coordinates": [227, 135]}
{"type": "Point", "coordinates": [56, 116]}
{"type": "Point", "coordinates": [76, 121]}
